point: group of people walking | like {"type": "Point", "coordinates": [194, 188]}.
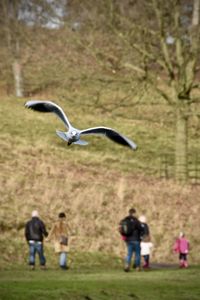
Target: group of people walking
{"type": "Point", "coordinates": [136, 235]}
{"type": "Point", "coordinates": [134, 232]}
{"type": "Point", "coordinates": [35, 232]}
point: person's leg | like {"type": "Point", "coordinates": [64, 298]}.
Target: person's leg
{"type": "Point", "coordinates": [181, 260]}
{"type": "Point", "coordinates": [32, 252]}
{"type": "Point", "coordinates": [137, 254]}
{"type": "Point", "coordinates": [40, 251]}
{"type": "Point", "coordinates": [63, 260]}
{"type": "Point", "coordinates": [129, 256]}
{"type": "Point", "coordinates": [185, 262]}
{"type": "Point", "coordinates": [146, 261]}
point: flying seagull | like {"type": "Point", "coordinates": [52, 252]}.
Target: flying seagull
{"type": "Point", "coordinates": [73, 134]}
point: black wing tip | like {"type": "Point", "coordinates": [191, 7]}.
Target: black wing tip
{"type": "Point", "coordinates": [26, 104]}
{"type": "Point", "coordinates": [40, 106]}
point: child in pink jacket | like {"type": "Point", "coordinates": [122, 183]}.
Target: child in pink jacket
{"type": "Point", "coordinates": [181, 246]}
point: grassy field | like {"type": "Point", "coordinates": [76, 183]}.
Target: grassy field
{"type": "Point", "coordinates": [100, 284]}
{"type": "Point", "coordinates": [94, 185]}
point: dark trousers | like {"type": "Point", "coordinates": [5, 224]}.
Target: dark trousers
{"type": "Point", "coordinates": [183, 256]}
{"type": "Point", "coordinates": [146, 261]}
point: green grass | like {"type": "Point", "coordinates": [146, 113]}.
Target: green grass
{"type": "Point", "coordinates": [24, 129]}
{"type": "Point", "coordinates": [100, 284]}
{"type": "Point", "coordinates": [150, 126]}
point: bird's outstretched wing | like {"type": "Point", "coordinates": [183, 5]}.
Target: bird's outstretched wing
{"type": "Point", "coordinates": [48, 106]}
{"type": "Point", "coordinates": [111, 134]}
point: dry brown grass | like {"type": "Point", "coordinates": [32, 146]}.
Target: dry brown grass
{"type": "Point", "coordinates": [95, 201]}
{"type": "Point", "coordinates": [95, 186]}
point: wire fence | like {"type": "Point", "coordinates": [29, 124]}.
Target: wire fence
{"type": "Point", "coordinates": [167, 168]}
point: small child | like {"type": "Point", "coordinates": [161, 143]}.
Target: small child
{"type": "Point", "coordinates": [145, 253]}
{"type": "Point", "coordinates": [181, 246]}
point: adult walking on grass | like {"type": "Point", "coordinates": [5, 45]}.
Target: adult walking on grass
{"type": "Point", "coordinates": [59, 234]}
{"type": "Point", "coordinates": [35, 230]}
{"type": "Point", "coordinates": [145, 236]}
{"type": "Point", "coordinates": [131, 230]}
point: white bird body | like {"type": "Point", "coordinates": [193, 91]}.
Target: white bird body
{"type": "Point", "coordinates": [73, 135]}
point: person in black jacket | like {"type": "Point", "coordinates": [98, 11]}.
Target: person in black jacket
{"type": "Point", "coordinates": [34, 232]}
{"type": "Point", "coordinates": [145, 236]}
{"type": "Point", "coordinates": [133, 241]}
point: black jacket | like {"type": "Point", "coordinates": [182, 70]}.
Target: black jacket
{"type": "Point", "coordinates": [137, 230]}
{"type": "Point", "coordinates": [145, 230]}
{"type": "Point", "coordinates": [35, 230]}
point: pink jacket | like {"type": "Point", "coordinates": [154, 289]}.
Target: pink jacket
{"type": "Point", "coordinates": [181, 246]}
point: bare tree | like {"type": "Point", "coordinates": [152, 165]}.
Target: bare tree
{"type": "Point", "coordinates": [17, 19]}
{"type": "Point", "coordinates": [11, 40]}
{"type": "Point", "coordinates": [180, 69]}
{"type": "Point", "coordinates": [167, 37]}
{"type": "Point", "coordinates": [160, 43]}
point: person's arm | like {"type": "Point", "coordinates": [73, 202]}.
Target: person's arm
{"type": "Point", "coordinates": [147, 229]}
{"type": "Point", "coordinates": [43, 228]}
{"type": "Point", "coordinates": [176, 246]}
{"type": "Point", "coordinates": [189, 248]}
{"type": "Point", "coordinates": [68, 229]}
{"type": "Point", "coordinates": [51, 233]}
{"type": "Point", "coordinates": [140, 229]}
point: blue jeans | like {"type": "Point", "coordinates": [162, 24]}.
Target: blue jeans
{"type": "Point", "coordinates": [133, 246]}
{"type": "Point", "coordinates": [63, 259]}
{"type": "Point", "coordinates": [36, 247]}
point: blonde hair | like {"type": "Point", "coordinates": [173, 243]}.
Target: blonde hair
{"type": "Point", "coordinates": [35, 213]}
{"type": "Point", "coordinates": [142, 219]}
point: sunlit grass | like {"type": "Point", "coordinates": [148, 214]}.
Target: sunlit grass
{"type": "Point", "coordinates": [98, 284]}
{"type": "Point", "coordinates": [96, 184]}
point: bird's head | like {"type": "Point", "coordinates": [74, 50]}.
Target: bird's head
{"type": "Point", "coordinates": [74, 136]}
{"type": "Point", "coordinates": [74, 133]}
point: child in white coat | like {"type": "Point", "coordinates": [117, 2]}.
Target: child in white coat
{"type": "Point", "coordinates": [145, 253]}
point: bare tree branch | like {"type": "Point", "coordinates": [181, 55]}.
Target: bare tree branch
{"type": "Point", "coordinates": [179, 50]}
{"type": "Point", "coordinates": [163, 44]}
{"type": "Point", "coordinates": [194, 48]}
{"type": "Point", "coordinates": [134, 68]}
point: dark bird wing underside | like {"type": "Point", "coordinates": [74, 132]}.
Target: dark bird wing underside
{"type": "Point", "coordinates": [46, 107]}
{"type": "Point", "coordinates": [111, 134]}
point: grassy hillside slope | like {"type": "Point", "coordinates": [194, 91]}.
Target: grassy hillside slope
{"type": "Point", "coordinates": [94, 185]}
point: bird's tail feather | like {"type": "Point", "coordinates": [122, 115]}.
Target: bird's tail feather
{"type": "Point", "coordinates": [81, 142]}
{"type": "Point", "coordinates": [62, 135]}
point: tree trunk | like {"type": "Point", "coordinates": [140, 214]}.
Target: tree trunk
{"type": "Point", "coordinates": [18, 79]}
{"type": "Point", "coordinates": [195, 15]}
{"type": "Point", "coordinates": [181, 151]}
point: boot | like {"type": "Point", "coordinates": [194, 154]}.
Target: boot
{"type": "Point", "coordinates": [126, 268]}
{"type": "Point", "coordinates": [181, 264]}
{"type": "Point", "coordinates": [185, 264]}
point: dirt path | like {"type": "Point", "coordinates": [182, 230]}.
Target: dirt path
{"type": "Point", "coordinates": [163, 266]}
